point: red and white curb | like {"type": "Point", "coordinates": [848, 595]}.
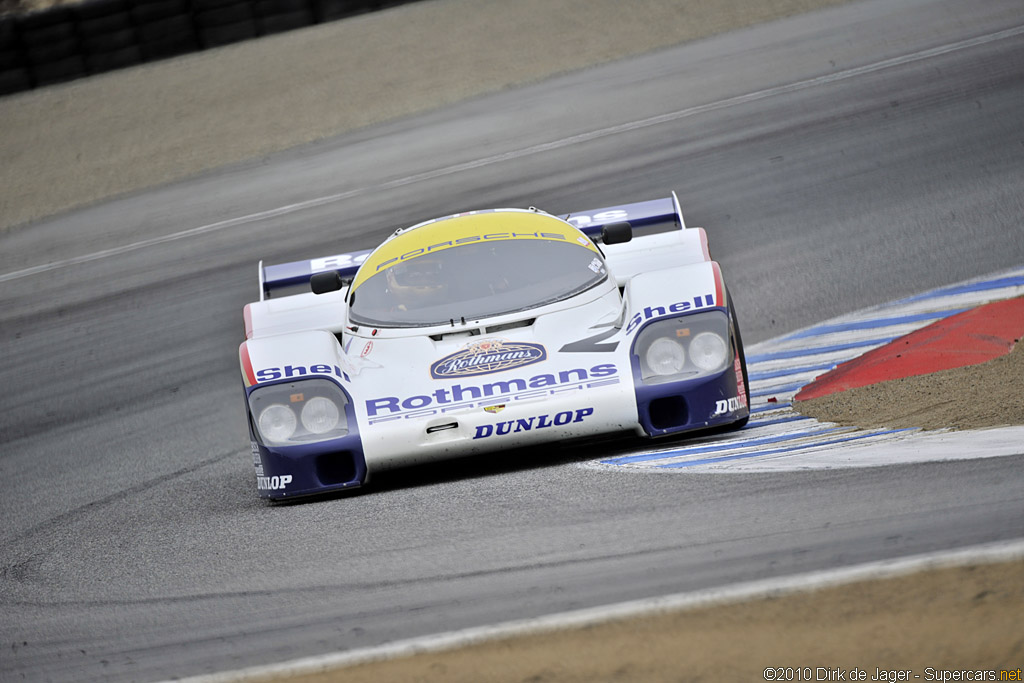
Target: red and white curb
{"type": "Point", "coordinates": [777, 438]}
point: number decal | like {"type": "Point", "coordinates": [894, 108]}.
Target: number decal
{"type": "Point", "coordinates": [591, 344]}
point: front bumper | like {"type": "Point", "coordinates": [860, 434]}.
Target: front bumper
{"type": "Point", "coordinates": [309, 469]}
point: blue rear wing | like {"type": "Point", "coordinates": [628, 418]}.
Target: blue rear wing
{"type": "Point", "coordinates": [286, 279]}
{"type": "Point", "coordinates": [655, 215]}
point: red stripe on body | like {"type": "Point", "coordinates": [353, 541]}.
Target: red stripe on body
{"type": "Point", "coordinates": [248, 376]}
{"type": "Point", "coordinates": [704, 244]}
{"type": "Point", "coordinates": [719, 284]}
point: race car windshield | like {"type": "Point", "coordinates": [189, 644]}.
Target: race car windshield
{"type": "Point", "coordinates": [474, 281]}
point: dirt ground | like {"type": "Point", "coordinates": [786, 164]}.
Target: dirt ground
{"type": "Point", "coordinates": [76, 143]}
{"type": "Point", "coordinates": [973, 397]}
{"type": "Point", "coordinates": [945, 620]}
{"type": "Point", "coordinates": [82, 142]}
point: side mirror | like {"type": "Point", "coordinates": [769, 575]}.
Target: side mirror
{"type": "Point", "coordinates": [616, 233]}
{"type": "Point", "coordinates": [329, 281]}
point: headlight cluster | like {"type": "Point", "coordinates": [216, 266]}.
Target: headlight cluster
{"type": "Point", "coordinates": [299, 412]}
{"type": "Point", "coordinates": [683, 348]}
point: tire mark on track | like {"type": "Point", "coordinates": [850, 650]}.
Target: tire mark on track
{"type": "Point", "coordinates": [97, 505]}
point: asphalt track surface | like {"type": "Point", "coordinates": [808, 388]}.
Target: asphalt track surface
{"type": "Point", "coordinates": [838, 160]}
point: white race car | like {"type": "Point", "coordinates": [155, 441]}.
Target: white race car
{"type": "Point", "coordinates": [483, 331]}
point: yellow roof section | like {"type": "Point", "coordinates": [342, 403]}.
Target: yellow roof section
{"type": "Point", "coordinates": [469, 228]}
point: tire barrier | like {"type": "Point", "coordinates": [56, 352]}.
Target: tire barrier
{"type": "Point", "coordinates": [72, 41]}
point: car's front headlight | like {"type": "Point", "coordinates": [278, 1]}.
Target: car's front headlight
{"type": "Point", "coordinates": [320, 415]}
{"type": "Point", "coordinates": [277, 422]}
{"type": "Point", "coordinates": [709, 351]}
{"type": "Point", "coordinates": [686, 347]}
{"type": "Point", "coordinates": [305, 411]}
{"type": "Point", "coordinates": [665, 357]}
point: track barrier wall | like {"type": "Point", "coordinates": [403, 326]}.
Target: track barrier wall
{"type": "Point", "coordinates": [73, 41]}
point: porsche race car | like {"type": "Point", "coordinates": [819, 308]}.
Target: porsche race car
{"type": "Point", "coordinates": [485, 331]}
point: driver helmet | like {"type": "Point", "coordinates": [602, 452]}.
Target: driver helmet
{"type": "Point", "coordinates": [417, 280]}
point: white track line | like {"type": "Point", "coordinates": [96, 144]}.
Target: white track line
{"type": "Point", "coordinates": [751, 590]}
{"type": "Point", "coordinates": [524, 152]}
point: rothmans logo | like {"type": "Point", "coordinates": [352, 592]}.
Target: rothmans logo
{"type": "Point", "coordinates": [487, 356]}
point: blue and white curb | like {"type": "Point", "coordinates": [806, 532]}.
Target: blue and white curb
{"type": "Point", "coordinates": [778, 438]}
